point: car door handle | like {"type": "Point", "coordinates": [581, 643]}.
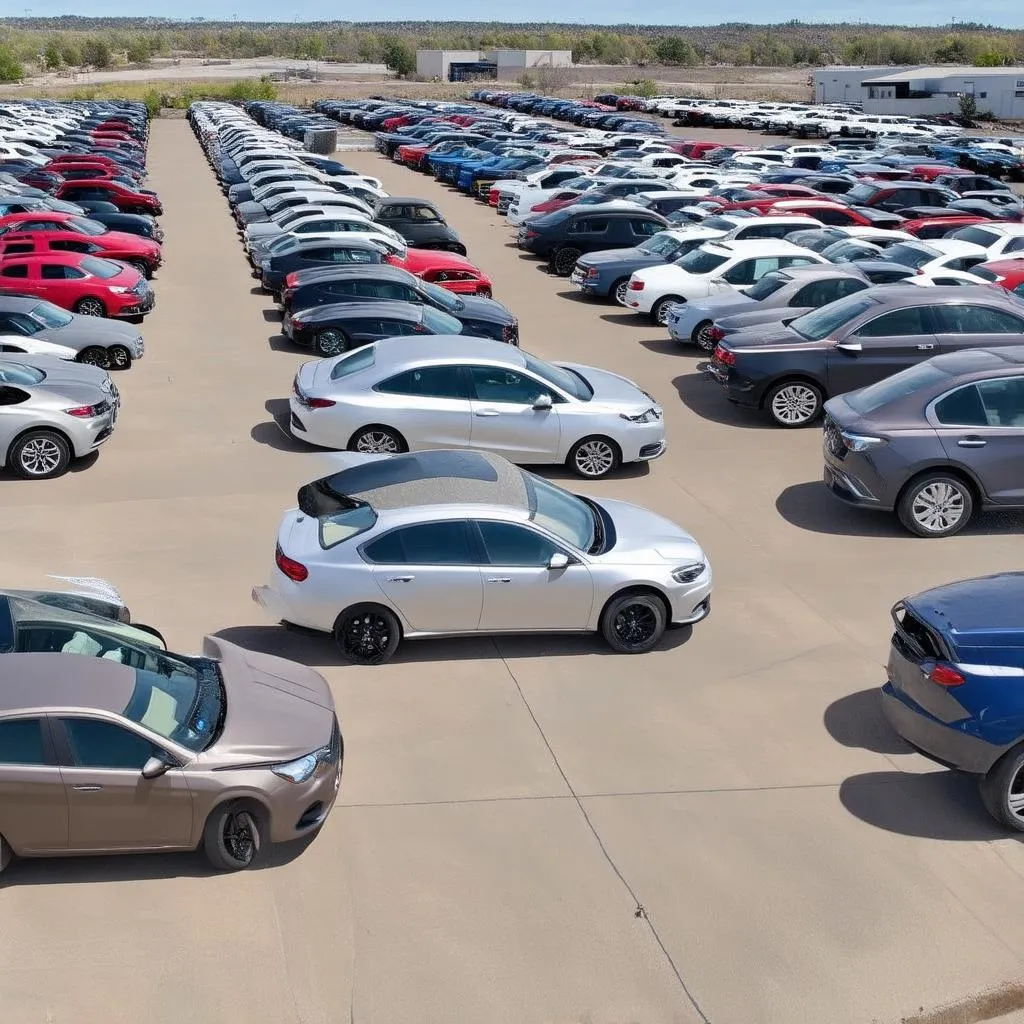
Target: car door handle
{"type": "Point", "coordinates": [87, 789]}
{"type": "Point", "coordinates": [401, 579]}
{"type": "Point", "coordinates": [500, 579]}
{"type": "Point", "coordinates": [488, 412]}
{"type": "Point", "coordinates": [972, 442]}
{"type": "Point", "coordinates": [925, 347]}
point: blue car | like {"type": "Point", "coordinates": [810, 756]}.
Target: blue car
{"type": "Point", "coordinates": [955, 687]}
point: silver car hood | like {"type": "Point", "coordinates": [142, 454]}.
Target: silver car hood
{"type": "Point", "coordinates": [610, 388]}
{"type": "Point", "coordinates": [644, 538]}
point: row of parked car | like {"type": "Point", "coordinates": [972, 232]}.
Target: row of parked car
{"type": "Point", "coordinates": [79, 243]}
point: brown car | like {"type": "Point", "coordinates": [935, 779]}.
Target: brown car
{"type": "Point", "coordinates": [230, 751]}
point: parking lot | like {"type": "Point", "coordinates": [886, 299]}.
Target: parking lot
{"type": "Point", "coordinates": [529, 830]}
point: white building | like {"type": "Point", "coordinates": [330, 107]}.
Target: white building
{"type": "Point", "coordinates": [437, 63]}
{"type": "Point", "coordinates": [843, 84]}
{"type": "Point", "coordinates": [507, 65]}
{"type": "Point", "coordinates": [937, 90]}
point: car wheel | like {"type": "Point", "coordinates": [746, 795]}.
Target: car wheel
{"type": "Point", "coordinates": [367, 634]}
{"type": "Point", "coordinates": [5, 853]}
{"type": "Point", "coordinates": [659, 311]}
{"type": "Point", "coordinates": [794, 403]}
{"type": "Point", "coordinates": [39, 455]}
{"type": "Point", "coordinates": [330, 343]}
{"type": "Point", "coordinates": [90, 307]}
{"type": "Point", "coordinates": [701, 336]}
{"type": "Point", "coordinates": [594, 457]}
{"type": "Point", "coordinates": [620, 290]}
{"type": "Point", "coordinates": [485, 293]}
{"type": "Point", "coordinates": [95, 356]}
{"type": "Point", "coordinates": [564, 260]}
{"type": "Point", "coordinates": [633, 623]}
{"type": "Point", "coordinates": [141, 267]}
{"type": "Point", "coordinates": [1002, 790]}
{"type": "Point", "coordinates": [935, 505]}
{"type": "Point", "coordinates": [233, 837]}
{"type": "Point", "coordinates": [120, 358]}
{"type": "Point", "coordinates": [377, 440]}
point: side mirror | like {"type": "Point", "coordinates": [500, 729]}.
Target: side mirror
{"type": "Point", "coordinates": [542, 402]}
{"type": "Point", "coordinates": [559, 560]}
{"type": "Point", "coordinates": [155, 767]}
{"type": "Point", "coordinates": [849, 346]}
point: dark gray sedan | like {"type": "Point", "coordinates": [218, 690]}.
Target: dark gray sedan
{"type": "Point", "coordinates": [933, 443]}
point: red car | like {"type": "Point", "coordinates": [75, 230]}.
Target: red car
{"type": "Point", "coordinates": [125, 199]}
{"type": "Point", "coordinates": [835, 214]}
{"type": "Point", "coordinates": [1008, 274]}
{"type": "Point", "coordinates": [698, 150]}
{"type": "Point", "coordinates": [87, 171]}
{"type": "Point", "coordinates": [26, 243]}
{"type": "Point", "coordinates": [79, 234]}
{"type": "Point", "coordinates": [939, 227]}
{"type": "Point", "coordinates": [447, 269]}
{"type": "Point", "coordinates": [84, 284]}
{"type": "Point", "coordinates": [929, 172]}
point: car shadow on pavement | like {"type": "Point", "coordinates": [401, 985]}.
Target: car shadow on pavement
{"type": "Point", "coordinates": [936, 805]}
{"type": "Point", "coordinates": [281, 343]}
{"type": "Point", "coordinates": [856, 720]}
{"type": "Point", "coordinates": [667, 347]}
{"type": "Point", "coordinates": [633, 320]}
{"type": "Point", "coordinates": [630, 471]}
{"type": "Point", "coordinates": [274, 432]}
{"type": "Point", "coordinates": [86, 462]}
{"type": "Point", "coordinates": [273, 316]}
{"type": "Point", "coordinates": [704, 397]}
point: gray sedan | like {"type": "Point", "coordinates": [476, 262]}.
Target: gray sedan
{"type": "Point", "coordinates": [108, 344]}
{"type": "Point", "coordinates": [455, 543]}
{"type": "Point", "coordinates": [52, 412]}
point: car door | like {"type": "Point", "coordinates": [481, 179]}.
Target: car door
{"type": "Point", "coordinates": [429, 404]}
{"type": "Point", "coordinates": [588, 234]}
{"type": "Point", "coordinates": [821, 293]}
{"type": "Point", "coordinates": [521, 591]}
{"type": "Point", "coordinates": [35, 807]}
{"type": "Point", "coordinates": [969, 325]}
{"type": "Point", "coordinates": [505, 419]}
{"type": "Point", "coordinates": [111, 807]}
{"type": "Point", "coordinates": [981, 426]}
{"type": "Point", "coordinates": [430, 573]}
{"type": "Point", "coordinates": [878, 348]}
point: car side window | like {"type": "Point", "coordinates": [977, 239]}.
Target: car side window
{"type": "Point", "coordinates": [98, 744]}
{"type": "Point", "coordinates": [1015, 245]}
{"type": "Point", "coordinates": [967, 319]}
{"type": "Point", "coordinates": [513, 545]}
{"type": "Point", "coordinates": [961, 408]}
{"type": "Point", "coordinates": [427, 382]}
{"type": "Point", "coordinates": [645, 228]}
{"type": "Point", "coordinates": [496, 384]}
{"type": "Point", "coordinates": [740, 273]}
{"type": "Point", "coordinates": [839, 218]}
{"type": "Point", "coordinates": [15, 270]}
{"type": "Point", "coordinates": [70, 245]}
{"type": "Point", "coordinates": [21, 742]}
{"type": "Point", "coordinates": [16, 248]}
{"type": "Point", "coordinates": [1003, 400]}
{"type": "Point", "coordinates": [425, 213]}
{"type": "Point", "coordinates": [794, 261]}
{"type": "Point", "coordinates": [589, 226]}
{"type": "Point", "coordinates": [442, 543]}
{"type": "Point", "coordinates": [897, 323]}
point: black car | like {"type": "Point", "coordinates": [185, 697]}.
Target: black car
{"type": "Point", "coordinates": [481, 318]}
{"type": "Point", "coordinates": [419, 222]}
{"type": "Point", "coordinates": [338, 327]}
{"type": "Point", "coordinates": [305, 253]}
{"type": "Point", "coordinates": [788, 369]}
{"type": "Point", "coordinates": [141, 224]}
{"type": "Point", "coordinates": [564, 235]}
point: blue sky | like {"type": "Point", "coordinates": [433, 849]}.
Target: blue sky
{"type": "Point", "coordinates": [1005, 13]}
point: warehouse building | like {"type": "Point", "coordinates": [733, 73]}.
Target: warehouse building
{"type": "Point", "coordinates": [468, 65]}
{"type": "Point", "coordinates": [843, 84]}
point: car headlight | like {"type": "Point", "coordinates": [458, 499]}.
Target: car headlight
{"type": "Point", "coordinates": [647, 416]}
{"type": "Point", "coordinates": [302, 768]}
{"type": "Point", "coordinates": [861, 442]}
{"type": "Point", "coordinates": [117, 289]}
{"type": "Point", "coordinates": [689, 572]}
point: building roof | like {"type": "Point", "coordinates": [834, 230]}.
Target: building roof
{"type": "Point", "coordinates": [945, 71]}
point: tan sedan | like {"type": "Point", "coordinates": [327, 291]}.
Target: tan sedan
{"type": "Point", "coordinates": [231, 751]}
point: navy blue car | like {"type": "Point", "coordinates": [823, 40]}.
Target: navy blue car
{"type": "Point", "coordinates": [955, 687]}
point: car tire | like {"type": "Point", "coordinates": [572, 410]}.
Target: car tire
{"type": "Point", "coordinates": [5, 853]}
{"type": "Point", "coordinates": [367, 634]}
{"type": "Point", "coordinates": [939, 498]}
{"type": "Point", "coordinates": [618, 291]}
{"type": "Point", "coordinates": [659, 311]}
{"type": "Point", "coordinates": [233, 838]}
{"type": "Point", "coordinates": [141, 267]}
{"type": "Point", "coordinates": [39, 455]}
{"type": "Point", "coordinates": [94, 356]}
{"type": "Point", "coordinates": [701, 336]}
{"type": "Point", "coordinates": [594, 457]}
{"type": "Point", "coordinates": [563, 260]}
{"type": "Point", "coordinates": [330, 343]}
{"type": "Point", "coordinates": [634, 622]}
{"type": "Point", "coordinates": [119, 358]}
{"type": "Point", "coordinates": [377, 439]}
{"type": "Point", "coordinates": [794, 403]}
{"type": "Point", "coordinates": [90, 306]}
{"type": "Point", "coordinates": [1004, 781]}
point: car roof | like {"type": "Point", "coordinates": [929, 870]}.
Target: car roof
{"type": "Point", "coordinates": [401, 200]}
{"type": "Point", "coordinates": [899, 294]}
{"type": "Point", "coordinates": [65, 680]}
{"type": "Point", "coordinates": [438, 477]}
{"type": "Point", "coordinates": [392, 352]}
{"type": "Point", "coordinates": [381, 271]}
{"type": "Point", "coordinates": [980, 360]}
{"type": "Point", "coordinates": [394, 309]}
{"type": "Point", "coordinates": [757, 247]}
{"type": "Point", "coordinates": [968, 609]}
{"type": "Point", "coordinates": [17, 303]}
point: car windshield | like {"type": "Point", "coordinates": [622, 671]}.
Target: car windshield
{"type": "Point", "coordinates": [849, 252]}
{"type": "Point", "coordinates": [180, 699]}
{"type": "Point", "coordinates": [50, 315]}
{"type": "Point", "coordinates": [660, 245]}
{"type": "Point", "coordinates": [19, 373]}
{"type": "Point", "coordinates": [103, 269]}
{"type": "Point", "coordinates": [568, 380]}
{"type": "Point", "coordinates": [283, 244]}
{"type": "Point", "coordinates": [566, 516]}
{"type": "Point", "coordinates": [440, 323]}
{"type": "Point", "coordinates": [768, 285]}
{"type": "Point", "coordinates": [443, 297]}
{"type": "Point", "coordinates": [911, 255]}
{"type": "Point", "coordinates": [985, 274]}
{"type": "Point", "coordinates": [820, 323]}
{"type": "Point", "coordinates": [717, 224]}
{"type": "Point", "coordinates": [899, 385]}
{"type": "Point", "coordinates": [88, 227]}
{"type": "Point", "coordinates": [863, 192]}
{"type": "Point", "coordinates": [701, 261]}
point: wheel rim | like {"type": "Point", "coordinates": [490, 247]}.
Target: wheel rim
{"type": "Point", "coordinates": [703, 338]}
{"type": "Point", "coordinates": [594, 458]}
{"type": "Point", "coordinates": [330, 343]}
{"type": "Point", "coordinates": [621, 291]}
{"type": "Point", "coordinates": [377, 442]}
{"type": "Point", "coordinates": [40, 456]}
{"type": "Point", "coordinates": [90, 307]}
{"type": "Point", "coordinates": [1015, 794]}
{"type": "Point", "coordinates": [635, 625]}
{"type": "Point", "coordinates": [240, 836]}
{"type": "Point", "coordinates": [938, 507]}
{"type": "Point", "coordinates": [119, 358]}
{"type": "Point", "coordinates": [366, 637]}
{"type": "Point", "coordinates": [795, 403]}
{"type": "Point", "coordinates": [95, 357]}
{"type": "Point", "coordinates": [661, 313]}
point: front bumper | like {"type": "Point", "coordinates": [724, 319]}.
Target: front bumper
{"type": "Point", "coordinates": [139, 306]}
{"type": "Point", "coordinates": [691, 602]}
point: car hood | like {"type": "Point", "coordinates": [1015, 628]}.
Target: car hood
{"type": "Point", "coordinates": [714, 307]}
{"type": "Point", "coordinates": [127, 241]}
{"type": "Point", "coordinates": [477, 308]}
{"type": "Point", "coordinates": [611, 389]}
{"type": "Point", "coordinates": [277, 710]}
{"type": "Point", "coordinates": [632, 256]}
{"type": "Point", "coordinates": [754, 317]}
{"type": "Point", "coordinates": [264, 229]}
{"type": "Point", "coordinates": [643, 537]}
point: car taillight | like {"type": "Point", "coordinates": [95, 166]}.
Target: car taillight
{"type": "Point", "coordinates": [593, 272]}
{"type": "Point", "coordinates": [295, 571]}
{"type": "Point", "coordinates": [715, 333]}
{"type": "Point", "coordinates": [319, 403]}
{"type": "Point", "coordinates": [636, 286]}
{"type": "Point", "coordinates": [724, 356]}
{"type": "Point", "coordinates": [84, 412]}
{"type": "Point", "coordinates": [532, 234]}
{"type": "Point", "coordinates": [946, 675]}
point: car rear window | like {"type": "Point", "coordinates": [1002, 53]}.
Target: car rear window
{"type": "Point", "coordinates": [899, 385]}
{"type": "Point", "coordinates": [358, 359]}
{"type": "Point", "coordinates": [768, 285]}
{"type": "Point", "coordinates": [19, 373]}
{"type": "Point", "coordinates": [911, 255]}
{"type": "Point", "coordinates": [702, 261]}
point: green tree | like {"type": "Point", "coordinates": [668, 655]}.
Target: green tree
{"type": "Point", "coordinates": [138, 51]}
{"type": "Point", "coordinates": [10, 68]}
{"type": "Point", "coordinates": [990, 59]}
{"type": "Point", "coordinates": [52, 57]}
{"type": "Point", "coordinates": [399, 57]}
{"type": "Point", "coordinates": [968, 107]}
{"type": "Point", "coordinates": [71, 52]}
{"type": "Point", "coordinates": [96, 51]}
{"type": "Point", "coordinates": [674, 50]}
{"type": "Point", "coordinates": [312, 47]}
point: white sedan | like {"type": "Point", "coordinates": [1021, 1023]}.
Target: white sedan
{"type": "Point", "coordinates": [712, 268]}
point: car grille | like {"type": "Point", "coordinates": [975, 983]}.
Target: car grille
{"type": "Point", "coordinates": [140, 287]}
{"type": "Point", "coordinates": [833, 440]}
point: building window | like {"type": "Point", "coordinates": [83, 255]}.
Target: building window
{"type": "Point", "coordinates": [982, 95]}
{"type": "Point", "coordinates": [1019, 94]}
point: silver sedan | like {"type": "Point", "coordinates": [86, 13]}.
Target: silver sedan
{"type": "Point", "coordinates": [446, 543]}
{"type": "Point", "coordinates": [415, 393]}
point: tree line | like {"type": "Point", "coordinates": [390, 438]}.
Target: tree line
{"type": "Point", "coordinates": [30, 45]}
